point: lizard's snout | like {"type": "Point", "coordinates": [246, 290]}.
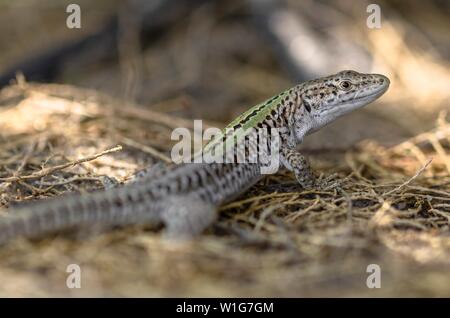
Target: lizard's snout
{"type": "Point", "coordinates": [381, 84]}
{"type": "Point", "coordinates": [383, 80]}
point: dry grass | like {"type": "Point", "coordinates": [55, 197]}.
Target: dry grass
{"type": "Point", "coordinates": [391, 207]}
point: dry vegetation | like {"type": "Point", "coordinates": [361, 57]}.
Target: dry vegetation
{"type": "Point", "coordinates": [391, 205]}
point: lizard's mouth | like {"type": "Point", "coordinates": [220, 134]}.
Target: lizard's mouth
{"type": "Point", "coordinates": [372, 95]}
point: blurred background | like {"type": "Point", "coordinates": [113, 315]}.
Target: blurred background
{"type": "Point", "coordinates": [137, 69]}
{"type": "Point", "coordinates": [213, 59]}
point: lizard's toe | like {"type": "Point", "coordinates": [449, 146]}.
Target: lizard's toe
{"type": "Point", "coordinates": [328, 183]}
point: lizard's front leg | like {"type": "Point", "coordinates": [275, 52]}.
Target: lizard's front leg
{"type": "Point", "coordinates": [297, 163]}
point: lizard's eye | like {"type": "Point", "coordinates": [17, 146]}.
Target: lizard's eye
{"type": "Point", "coordinates": [345, 85]}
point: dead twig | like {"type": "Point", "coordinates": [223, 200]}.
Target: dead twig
{"type": "Point", "coordinates": [46, 171]}
{"type": "Point", "coordinates": [410, 179]}
{"type": "Point", "coordinates": [145, 148]}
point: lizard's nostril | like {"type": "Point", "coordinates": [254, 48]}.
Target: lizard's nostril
{"type": "Point", "coordinates": [384, 80]}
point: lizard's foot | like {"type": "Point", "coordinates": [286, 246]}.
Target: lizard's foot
{"type": "Point", "coordinates": [308, 181]}
{"type": "Point", "coordinates": [328, 183]}
{"type": "Point", "coordinates": [305, 178]}
{"type": "Point", "coordinates": [297, 163]}
{"type": "Point", "coordinates": [187, 216]}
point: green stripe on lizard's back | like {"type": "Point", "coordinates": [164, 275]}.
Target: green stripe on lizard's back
{"type": "Point", "coordinates": [251, 117]}
{"type": "Point", "coordinates": [241, 126]}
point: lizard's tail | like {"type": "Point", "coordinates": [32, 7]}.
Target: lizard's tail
{"type": "Point", "coordinates": [113, 207]}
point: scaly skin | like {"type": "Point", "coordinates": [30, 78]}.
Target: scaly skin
{"type": "Point", "coordinates": [185, 197]}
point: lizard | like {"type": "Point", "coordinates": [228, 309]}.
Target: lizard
{"type": "Point", "coordinates": [185, 197]}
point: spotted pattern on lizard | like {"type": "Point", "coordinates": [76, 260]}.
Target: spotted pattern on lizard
{"type": "Point", "coordinates": [185, 196]}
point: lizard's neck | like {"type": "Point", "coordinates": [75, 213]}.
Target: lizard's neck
{"type": "Point", "coordinates": [301, 123]}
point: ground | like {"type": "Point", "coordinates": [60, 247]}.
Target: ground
{"type": "Point", "coordinates": [390, 208]}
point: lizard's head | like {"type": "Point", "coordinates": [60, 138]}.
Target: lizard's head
{"type": "Point", "coordinates": [328, 98]}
